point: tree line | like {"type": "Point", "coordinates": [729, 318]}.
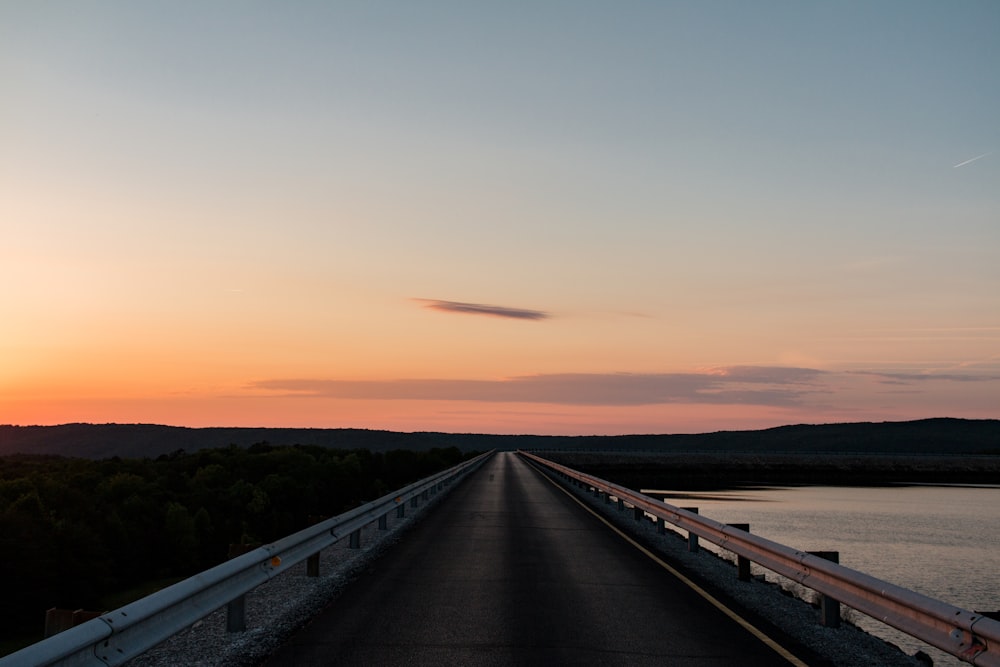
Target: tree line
{"type": "Point", "coordinates": [73, 530]}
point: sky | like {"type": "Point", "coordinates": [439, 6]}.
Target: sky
{"type": "Point", "coordinates": [549, 217]}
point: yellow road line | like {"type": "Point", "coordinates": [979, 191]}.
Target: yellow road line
{"type": "Point", "coordinates": [749, 627]}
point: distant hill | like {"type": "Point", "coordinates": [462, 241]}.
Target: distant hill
{"type": "Point", "coordinates": [97, 441]}
{"type": "Point", "coordinates": [949, 437]}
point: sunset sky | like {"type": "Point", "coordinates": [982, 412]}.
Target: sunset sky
{"type": "Point", "coordinates": [561, 217]}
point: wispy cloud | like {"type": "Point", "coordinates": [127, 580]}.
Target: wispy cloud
{"type": "Point", "coordinates": [483, 309]}
{"type": "Point", "coordinates": [911, 378]}
{"type": "Point", "coordinates": [978, 157]}
{"type": "Point", "coordinates": [744, 385]}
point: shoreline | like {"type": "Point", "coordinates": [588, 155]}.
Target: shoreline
{"type": "Point", "coordinates": [707, 471]}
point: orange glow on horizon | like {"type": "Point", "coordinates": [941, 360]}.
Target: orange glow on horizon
{"type": "Point", "coordinates": [523, 247]}
{"type": "Point", "coordinates": [438, 416]}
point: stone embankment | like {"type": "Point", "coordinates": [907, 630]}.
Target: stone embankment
{"type": "Point", "coordinates": [786, 608]}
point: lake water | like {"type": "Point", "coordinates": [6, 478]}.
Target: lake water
{"type": "Point", "coordinates": [942, 541]}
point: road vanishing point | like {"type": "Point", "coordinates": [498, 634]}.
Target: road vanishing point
{"type": "Point", "coordinates": [512, 570]}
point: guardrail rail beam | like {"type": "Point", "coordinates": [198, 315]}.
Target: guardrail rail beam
{"type": "Point", "coordinates": [964, 634]}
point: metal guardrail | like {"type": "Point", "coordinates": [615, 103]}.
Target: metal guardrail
{"type": "Point", "coordinates": [967, 635]}
{"type": "Point", "coordinates": [117, 636]}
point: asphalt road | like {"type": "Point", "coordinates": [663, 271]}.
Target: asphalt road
{"type": "Point", "coordinates": [509, 570]}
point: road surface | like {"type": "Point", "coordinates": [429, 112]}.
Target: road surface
{"type": "Point", "coordinates": [509, 569]}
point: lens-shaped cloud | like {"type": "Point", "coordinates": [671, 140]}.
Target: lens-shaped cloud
{"type": "Point", "coordinates": [484, 309]}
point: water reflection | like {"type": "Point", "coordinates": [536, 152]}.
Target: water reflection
{"type": "Point", "coordinates": [939, 540]}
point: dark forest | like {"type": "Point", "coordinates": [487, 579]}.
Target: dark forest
{"type": "Point", "coordinates": [78, 533]}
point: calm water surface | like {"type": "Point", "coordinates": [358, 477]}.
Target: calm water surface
{"type": "Point", "coordinates": [942, 541]}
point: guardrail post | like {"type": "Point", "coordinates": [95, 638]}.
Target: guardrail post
{"type": "Point", "coordinates": [693, 545]}
{"type": "Point", "coordinates": [129, 631]}
{"type": "Point", "coordinates": [312, 565]}
{"type": "Point", "coordinates": [236, 616]}
{"type": "Point", "coordinates": [57, 620]}
{"type": "Point", "coordinates": [383, 522]}
{"type": "Point", "coordinates": [355, 542]}
{"type": "Point", "coordinates": [413, 501]}
{"type": "Point", "coordinates": [742, 562]}
{"type": "Point", "coordinates": [597, 492]}
{"type": "Point", "coordinates": [607, 498]}
{"type": "Point", "coordinates": [661, 526]}
{"type": "Point", "coordinates": [931, 621]}
{"type": "Point", "coordinates": [621, 505]}
{"type": "Point", "coordinates": [829, 609]}
{"type": "Point", "coordinates": [637, 513]}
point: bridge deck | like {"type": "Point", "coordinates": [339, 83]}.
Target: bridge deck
{"type": "Point", "coordinates": [510, 570]}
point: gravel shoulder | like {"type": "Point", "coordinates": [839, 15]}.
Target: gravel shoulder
{"type": "Point", "coordinates": [766, 603]}
{"type": "Point", "coordinates": [277, 609]}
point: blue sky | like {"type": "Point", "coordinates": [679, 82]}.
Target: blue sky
{"type": "Point", "coordinates": [203, 199]}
